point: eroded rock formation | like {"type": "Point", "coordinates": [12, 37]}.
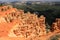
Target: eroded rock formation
{"type": "Point", "coordinates": [16, 23]}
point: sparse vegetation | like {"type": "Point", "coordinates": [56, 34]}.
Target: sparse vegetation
{"type": "Point", "coordinates": [55, 37]}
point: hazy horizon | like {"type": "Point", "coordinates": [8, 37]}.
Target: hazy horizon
{"type": "Point", "coordinates": [26, 0]}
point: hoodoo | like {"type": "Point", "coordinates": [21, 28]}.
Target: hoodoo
{"type": "Point", "coordinates": [17, 25]}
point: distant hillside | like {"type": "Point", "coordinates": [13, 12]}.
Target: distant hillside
{"type": "Point", "coordinates": [51, 12]}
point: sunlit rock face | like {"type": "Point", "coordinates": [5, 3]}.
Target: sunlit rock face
{"type": "Point", "coordinates": [30, 26]}
{"type": "Point", "coordinates": [17, 25]}
{"type": "Point", "coordinates": [58, 23]}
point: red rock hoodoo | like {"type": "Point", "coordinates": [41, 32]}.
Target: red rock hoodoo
{"type": "Point", "coordinates": [17, 25]}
